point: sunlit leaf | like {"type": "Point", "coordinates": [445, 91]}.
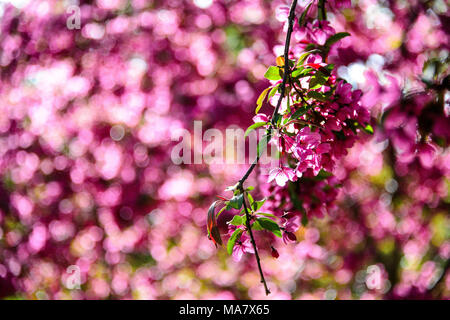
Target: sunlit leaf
{"type": "Point", "coordinates": [368, 129]}
{"type": "Point", "coordinates": [266, 214]}
{"type": "Point", "coordinates": [232, 241]}
{"type": "Point", "coordinates": [317, 80]}
{"type": "Point", "coordinates": [261, 98]}
{"type": "Point", "coordinates": [335, 38]}
{"type": "Point", "coordinates": [273, 73]}
{"type": "Point", "coordinates": [258, 204]}
{"type": "Point", "coordinates": [301, 20]}
{"type": "Point", "coordinates": [270, 225]}
{"type": "Point", "coordinates": [236, 221]}
{"type": "Point", "coordinates": [273, 91]}
{"type": "Point", "coordinates": [254, 126]}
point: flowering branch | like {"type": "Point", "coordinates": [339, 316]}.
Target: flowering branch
{"type": "Point", "coordinates": [249, 228]}
{"type": "Point", "coordinates": [309, 130]}
{"type": "Point", "coordinates": [240, 185]}
{"type": "Point", "coordinates": [286, 76]}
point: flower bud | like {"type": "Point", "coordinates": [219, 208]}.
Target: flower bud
{"type": "Point", "coordinates": [274, 253]}
{"type": "Point", "coordinates": [291, 236]}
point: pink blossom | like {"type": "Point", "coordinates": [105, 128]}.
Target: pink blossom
{"type": "Point", "coordinates": [289, 228]}
{"type": "Point", "coordinates": [242, 246]}
{"type": "Point", "coordinates": [281, 175]}
{"type": "Point", "coordinates": [260, 117]}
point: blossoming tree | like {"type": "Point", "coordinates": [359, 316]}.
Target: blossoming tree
{"type": "Point", "coordinates": [352, 95]}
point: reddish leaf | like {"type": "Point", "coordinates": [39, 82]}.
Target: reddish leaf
{"type": "Point", "coordinates": [213, 229]}
{"type": "Point", "coordinates": [314, 65]}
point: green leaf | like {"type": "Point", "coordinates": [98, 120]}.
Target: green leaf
{"type": "Point", "coordinates": [232, 241]}
{"type": "Point", "coordinates": [310, 47]}
{"type": "Point", "coordinates": [316, 95]}
{"type": "Point", "coordinates": [368, 129]}
{"type": "Point", "coordinates": [297, 72]}
{"type": "Point", "coordinates": [236, 202]}
{"type": "Point", "coordinates": [322, 175]}
{"type": "Point", "coordinates": [266, 214]}
{"type": "Point", "coordinates": [335, 38]}
{"type": "Point", "coordinates": [254, 126]}
{"type": "Point", "coordinates": [317, 80]}
{"type": "Point", "coordinates": [301, 20]}
{"type": "Point", "coordinates": [250, 198]}
{"type": "Point", "coordinates": [273, 73]}
{"type": "Point", "coordinates": [301, 72]}
{"type": "Point", "coordinates": [258, 204]}
{"type": "Point", "coordinates": [220, 211]}
{"type": "Point", "coordinates": [303, 57]}
{"type": "Point", "coordinates": [329, 67]}
{"type": "Point", "coordinates": [299, 112]}
{"type": "Point", "coordinates": [273, 91]}
{"type": "Point", "coordinates": [304, 219]}
{"type": "Point", "coordinates": [262, 144]}
{"type": "Point", "coordinates": [261, 98]}
{"type": "Point", "coordinates": [257, 226]}
{"type": "Point", "coordinates": [288, 109]}
{"type": "Point", "coordinates": [270, 225]}
{"type": "Point", "coordinates": [236, 221]}
{"type": "Point", "coordinates": [278, 118]}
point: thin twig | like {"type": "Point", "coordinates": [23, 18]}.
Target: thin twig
{"type": "Point", "coordinates": [282, 87]}
{"type": "Point", "coordinates": [249, 228]}
{"type": "Point", "coordinates": [286, 59]}
{"type": "Point", "coordinates": [240, 184]}
{"type": "Point", "coordinates": [296, 90]}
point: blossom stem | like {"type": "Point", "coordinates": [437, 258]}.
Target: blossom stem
{"type": "Point", "coordinates": [252, 238]}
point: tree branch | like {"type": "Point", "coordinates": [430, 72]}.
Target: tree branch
{"type": "Point", "coordinates": [286, 76]}
{"type": "Point", "coordinates": [240, 185]}
{"type": "Point", "coordinates": [249, 228]}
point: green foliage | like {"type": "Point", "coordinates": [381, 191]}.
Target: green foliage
{"type": "Point", "coordinates": [273, 91]}
{"type": "Point", "coordinates": [236, 221]}
{"type": "Point", "coordinates": [335, 38]}
{"type": "Point", "coordinates": [317, 80]}
{"type": "Point", "coordinates": [302, 19]}
{"type": "Point", "coordinates": [232, 241]}
{"type": "Point", "coordinates": [254, 126]}
{"type": "Point", "coordinates": [257, 204]}
{"type": "Point", "coordinates": [316, 95]}
{"type": "Point", "coordinates": [368, 129]}
{"type": "Point", "coordinates": [261, 99]}
{"type": "Point", "coordinates": [269, 225]}
{"type": "Point", "coordinates": [273, 73]}
{"type": "Point", "coordinates": [236, 202]}
{"type": "Point", "coordinates": [299, 112]}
